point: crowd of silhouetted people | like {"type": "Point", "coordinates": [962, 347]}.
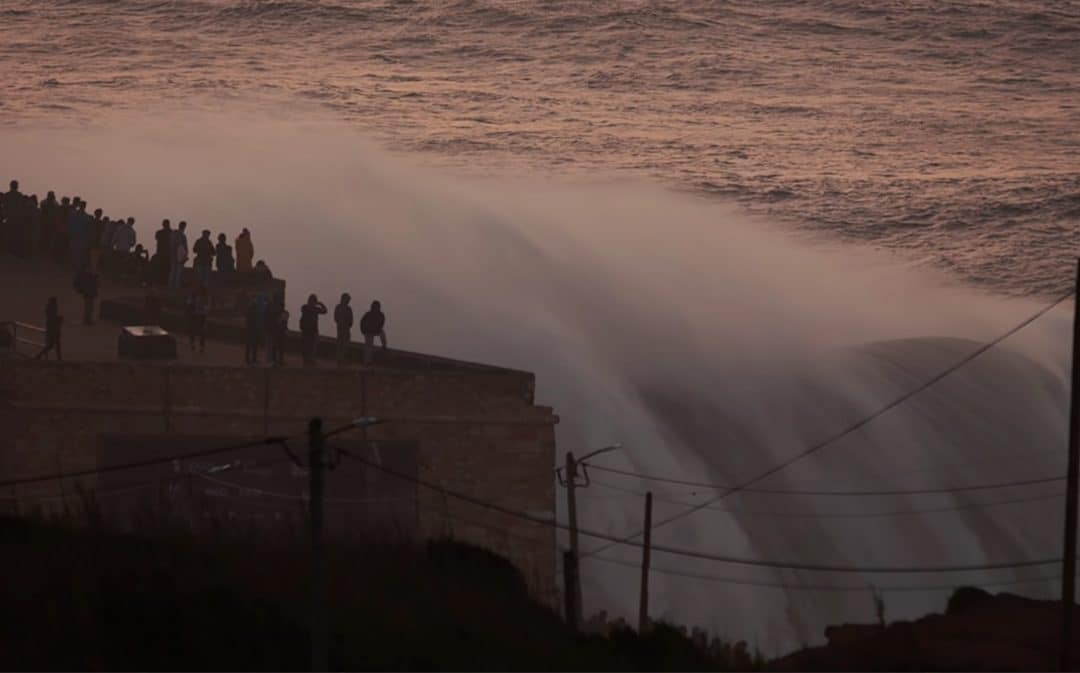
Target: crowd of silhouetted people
{"type": "Point", "coordinates": [267, 323]}
{"type": "Point", "coordinates": [93, 245]}
{"type": "Point", "coordinates": [65, 232]}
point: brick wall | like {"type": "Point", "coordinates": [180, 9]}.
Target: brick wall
{"type": "Point", "coordinates": [476, 432]}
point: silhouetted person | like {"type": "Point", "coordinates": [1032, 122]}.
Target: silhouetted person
{"type": "Point", "coordinates": [123, 237]}
{"type": "Point", "coordinates": [161, 260]}
{"type": "Point", "coordinates": [79, 227]}
{"type": "Point", "coordinates": [152, 308]}
{"type": "Point", "coordinates": [108, 234]}
{"type": "Point", "coordinates": [281, 329]}
{"type": "Point", "coordinates": [60, 233]}
{"type": "Point", "coordinates": [204, 258]}
{"type": "Point", "coordinates": [223, 255]}
{"type": "Point", "coordinates": [309, 327]}
{"type": "Point", "coordinates": [28, 236]}
{"type": "Point", "coordinates": [12, 216]}
{"type": "Point", "coordinates": [372, 325]}
{"type": "Point", "coordinates": [137, 265]}
{"type": "Point", "coordinates": [262, 271]}
{"type": "Point", "coordinates": [343, 318]}
{"type": "Point", "coordinates": [49, 210]}
{"type": "Point", "coordinates": [96, 230]}
{"type": "Point", "coordinates": [198, 307]}
{"type": "Point", "coordinates": [179, 256]}
{"type": "Point", "coordinates": [53, 321]}
{"type": "Point", "coordinates": [86, 284]}
{"type": "Point", "coordinates": [245, 252]}
{"type": "Point", "coordinates": [254, 323]}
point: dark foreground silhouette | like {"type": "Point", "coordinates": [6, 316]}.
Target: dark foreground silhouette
{"type": "Point", "coordinates": [977, 632]}
{"type": "Point", "coordinates": [169, 599]}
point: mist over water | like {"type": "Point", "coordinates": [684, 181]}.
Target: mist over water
{"type": "Point", "coordinates": [709, 342]}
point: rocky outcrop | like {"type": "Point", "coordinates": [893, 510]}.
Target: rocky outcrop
{"type": "Point", "coordinates": [978, 631]}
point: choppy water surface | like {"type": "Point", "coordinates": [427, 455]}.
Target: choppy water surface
{"type": "Point", "coordinates": [949, 130]}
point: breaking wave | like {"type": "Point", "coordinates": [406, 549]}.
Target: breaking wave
{"type": "Point", "coordinates": [707, 341]}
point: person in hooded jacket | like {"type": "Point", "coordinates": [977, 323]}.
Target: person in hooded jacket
{"type": "Point", "coordinates": [373, 325]}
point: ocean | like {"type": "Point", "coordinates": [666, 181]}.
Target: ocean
{"type": "Point", "coordinates": [944, 130]}
{"type": "Point", "coordinates": [718, 231]}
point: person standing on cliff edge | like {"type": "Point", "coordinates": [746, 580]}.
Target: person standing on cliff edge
{"type": "Point", "coordinates": [343, 317]}
{"type": "Point", "coordinates": [245, 252]}
{"type": "Point", "coordinates": [179, 256]}
{"type": "Point", "coordinates": [309, 327]}
{"type": "Point", "coordinates": [372, 325]}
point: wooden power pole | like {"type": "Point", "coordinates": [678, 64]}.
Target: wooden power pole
{"type": "Point", "coordinates": [570, 582]}
{"type": "Point", "coordinates": [1068, 583]}
{"type": "Point", "coordinates": [643, 611]}
{"type": "Point", "coordinates": [316, 464]}
{"type": "Point", "coordinates": [571, 513]}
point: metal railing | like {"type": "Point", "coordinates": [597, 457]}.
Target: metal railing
{"type": "Point", "coordinates": [20, 333]}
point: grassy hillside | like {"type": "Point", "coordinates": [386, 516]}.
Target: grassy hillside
{"type": "Point", "coordinates": [84, 597]}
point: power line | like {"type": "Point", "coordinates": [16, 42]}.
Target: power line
{"type": "Point", "coordinates": [839, 515]}
{"type": "Point", "coordinates": [141, 463]}
{"type": "Point", "coordinates": [813, 567]}
{"type": "Point", "coordinates": [99, 492]}
{"type": "Point", "coordinates": [95, 492]}
{"type": "Point", "coordinates": [294, 496]}
{"type": "Point", "coordinates": [817, 587]}
{"type": "Point", "coordinates": [847, 431]}
{"type": "Point", "coordinates": [918, 491]}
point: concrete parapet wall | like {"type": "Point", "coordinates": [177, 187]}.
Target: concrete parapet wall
{"type": "Point", "coordinates": [475, 432]}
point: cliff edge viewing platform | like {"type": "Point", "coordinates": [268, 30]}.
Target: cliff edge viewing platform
{"type": "Point", "coordinates": [26, 285]}
{"type": "Point", "coordinates": [446, 426]}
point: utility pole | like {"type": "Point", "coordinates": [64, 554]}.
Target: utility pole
{"type": "Point", "coordinates": [316, 464]}
{"type": "Point", "coordinates": [570, 583]}
{"type": "Point", "coordinates": [571, 512]}
{"type": "Point", "coordinates": [568, 475]}
{"type": "Point", "coordinates": [643, 612]}
{"type": "Point", "coordinates": [1068, 583]}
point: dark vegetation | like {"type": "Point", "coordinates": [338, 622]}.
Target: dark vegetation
{"type": "Point", "coordinates": [83, 596]}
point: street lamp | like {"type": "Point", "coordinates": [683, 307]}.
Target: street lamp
{"type": "Point", "coordinates": [568, 478]}
{"type": "Point", "coordinates": [361, 422]}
